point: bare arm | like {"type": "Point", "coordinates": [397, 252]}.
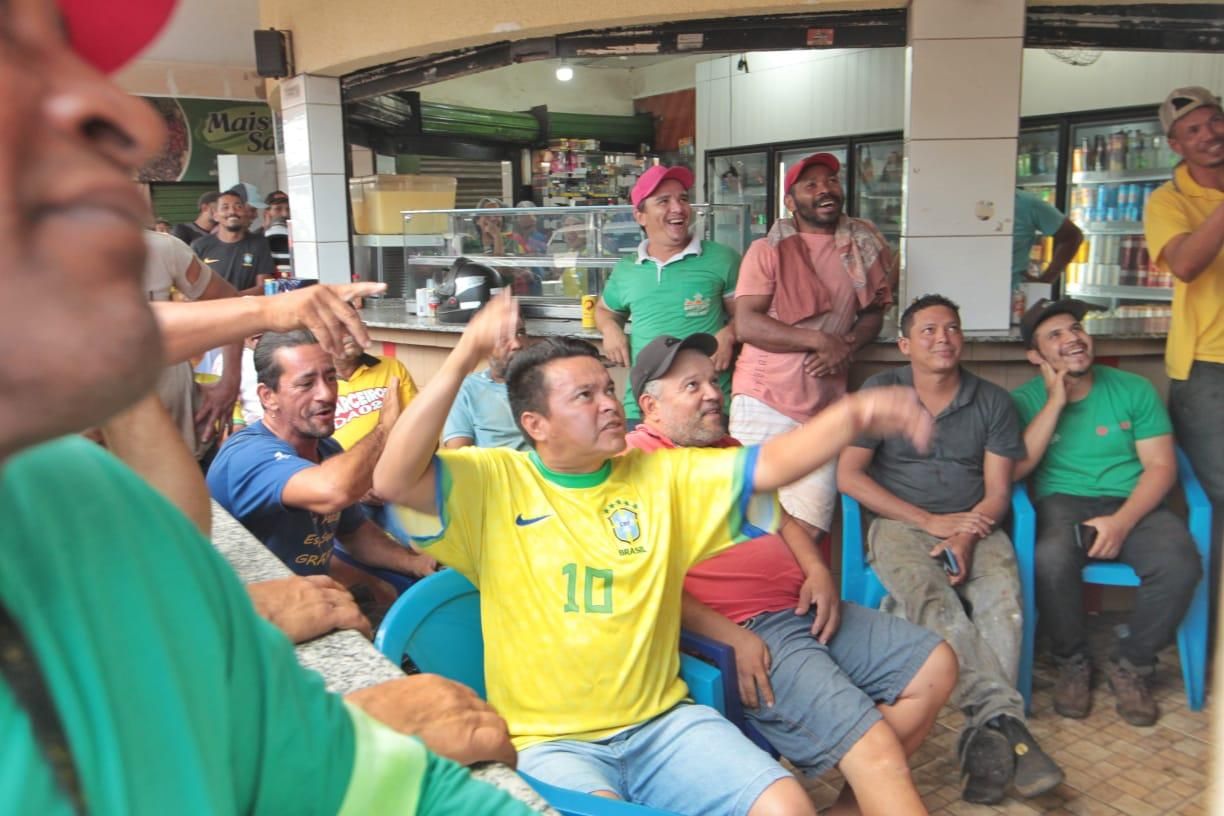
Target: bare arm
{"type": "Point", "coordinates": [1190, 253]}
{"type": "Point", "coordinates": [217, 400]}
{"type": "Point", "coordinates": [456, 442]}
{"type": "Point", "coordinates": [755, 326]}
{"type": "Point", "coordinates": [726, 338]}
{"type": "Point", "coordinates": [819, 590]}
{"type": "Point", "coordinates": [1067, 240]}
{"type": "Point", "coordinates": [371, 545]}
{"type": "Point", "coordinates": [341, 481]}
{"type": "Point", "coordinates": [146, 439]}
{"type": "Point", "coordinates": [876, 411]}
{"type": "Point", "coordinates": [1040, 430]}
{"type": "Point", "coordinates": [866, 328]}
{"type": "Point", "coordinates": [193, 328]}
{"type": "Point", "coordinates": [404, 475]}
{"type": "Point", "coordinates": [612, 326]}
{"type": "Point", "coordinates": [751, 654]}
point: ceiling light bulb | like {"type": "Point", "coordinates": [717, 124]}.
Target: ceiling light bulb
{"type": "Point", "coordinates": [564, 73]}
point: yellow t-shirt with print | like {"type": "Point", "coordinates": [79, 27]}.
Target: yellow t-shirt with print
{"type": "Point", "coordinates": [580, 576]}
{"type": "Point", "coordinates": [1196, 331]}
{"type": "Point", "coordinates": [360, 397]}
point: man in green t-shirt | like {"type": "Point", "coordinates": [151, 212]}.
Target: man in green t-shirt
{"type": "Point", "coordinates": [135, 677]}
{"type": "Point", "coordinates": [1101, 457]}
{"type": "Point", "coordinates": [675, 284]}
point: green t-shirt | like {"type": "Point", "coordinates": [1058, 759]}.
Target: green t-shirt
{"type": "Point", "coordinates": [681, 297]}
{"type": "Point", "coordinates": [174, 696]}
{"type": "Point", "coordinates": [1092, 451]}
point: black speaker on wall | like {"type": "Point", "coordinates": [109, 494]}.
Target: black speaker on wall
{"type": "Point", "coordinates": [272, 53]}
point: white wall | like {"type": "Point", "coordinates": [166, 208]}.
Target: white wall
{"type": "Point", "coordinates": [523, 86]}
{"type": "Point", "coordinates": [1118, 79]}
{"type": "Point", "coordinates": [673, 75]}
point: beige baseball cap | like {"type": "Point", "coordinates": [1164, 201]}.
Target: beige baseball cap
{"type": "Point", "coordinates": [1183, 100]}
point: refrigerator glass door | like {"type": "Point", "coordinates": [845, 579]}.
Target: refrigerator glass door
{"type": "Point", "coordinates": [878, 171]}
{"type": "Point", "coordinates": [740, 178]}
{"type": "Point", "coordinates": [792, 156]}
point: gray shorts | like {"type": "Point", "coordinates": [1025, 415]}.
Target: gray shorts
{"type": "Point", "coordinates": [826, 695]}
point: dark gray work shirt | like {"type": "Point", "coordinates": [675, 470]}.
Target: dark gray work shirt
{"type": "Point", "coordinates": [238, 262]}
{"type": "Point", "coordinates": [980, 418]}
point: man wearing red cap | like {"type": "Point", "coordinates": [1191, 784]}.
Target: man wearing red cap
{"type": "Point", "coordinates": [677, 284]}
{"type": "Point", "coordinates": [810, 294]}
{"type": "Point", "coordinates": [134, 674]}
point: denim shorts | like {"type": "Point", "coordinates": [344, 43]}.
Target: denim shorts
{"type": "Point", "coordinates": [825, 696]}
{"type": "Point", "coordinates": [688, 760]}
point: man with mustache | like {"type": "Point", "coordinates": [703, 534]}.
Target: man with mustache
{"type": "Point", "coordinates": [810, 294]}
{"type": "Point", "coordinates": [1100, 449]}
{"type": "Point", "coordinates": [1184, 227]}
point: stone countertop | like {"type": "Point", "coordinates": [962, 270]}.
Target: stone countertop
{"type": "Point", "coordinates": [393, 314]}
{"type": "Point", "coordinates": [346, 660]}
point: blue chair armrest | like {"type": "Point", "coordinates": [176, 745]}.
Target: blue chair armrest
{"type": "Point", "coordinates": [705, 682]}
{"type": "Point", "coordinates": [1198, 505]}
{"type": "Point", "coordinates": [722, 655]}
{"type": "Point", "coordinates": [572, 803]}
{"type": "Point", "coordinates": [853, 559]}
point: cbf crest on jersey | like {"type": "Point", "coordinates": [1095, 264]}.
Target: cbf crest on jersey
{"type": "Point", "coordinates": [623, 516]}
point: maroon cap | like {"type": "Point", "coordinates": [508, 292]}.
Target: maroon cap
{"type": "Point", "coordinates": [108, 34]}
{"type": "Point", "coordinates": [649, 181]}
{"type": "Point", "coordinates": [825, 159]}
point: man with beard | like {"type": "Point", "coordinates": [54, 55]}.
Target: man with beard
{"type": "Point", "coordinates": [810, 294]}
{"type": "Point", "coordinates": [1100, 448]}
{"type": "Point", "coordinates": [134, 675]}
{"type": "Point", "coordinates": [1184, 226]}
{"type": "Point", "coordinates": [934, 542]}
{"type": "Point", "coordinates": [676, 283]}
{"type": "Point", "coordinates": [828, 684]}
{"type": "Point", "coordinates": [481, 414]}
{"type": "Point", "coordinates": [241, 258]}
{"type": "Point", "coordinates": [291, 484]}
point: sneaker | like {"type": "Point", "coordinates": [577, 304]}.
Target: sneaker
{"type": "Point", "coordinates": [1073, 691]}
{"type": "Point", "coordinates": [986, 764]}
{"type": "Point", "coordinates": [1036, 773]}
{"type": "Point", "coordinates": [1135, 702]}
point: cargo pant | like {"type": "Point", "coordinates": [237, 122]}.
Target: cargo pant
{"type": "Point", "coordinates": [980, 619]}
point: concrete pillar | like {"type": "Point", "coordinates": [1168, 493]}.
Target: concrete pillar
{"type": "Point", "coordinates": [314, 169]}
{"type": "Point", "coordinates": [962, 109]}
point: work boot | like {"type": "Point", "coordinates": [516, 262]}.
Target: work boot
{"type": "Point", "coordinates": [1036, 773]}
{"type": "Point", "coordinates": [986, 765]}
{"type": "Point", "coordinates": [1073, 691]}
{"type": "Point", "coordinates": [1135, 702]}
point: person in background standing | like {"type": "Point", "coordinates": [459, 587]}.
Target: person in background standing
{"type": "Point", "coordinates": [276, 227]}
{"type": "Point", "coordinates": [1034, 216]}
{"type": "Point", "coordinates": [204, 223]}
{"type": "Point", "coordinates": [241, 258]}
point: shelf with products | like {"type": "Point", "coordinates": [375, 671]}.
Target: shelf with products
{"type": "Point", "coordinates": [1112, 228]}
{"type": "Point", "coordinates": [1119, 176]}
{"type": "Point", "coordinates": [1160, 293]}
{"type": "Point", "coordinates": [577, 170]}
{"type": "Point", "coordinates": [1038, 180]}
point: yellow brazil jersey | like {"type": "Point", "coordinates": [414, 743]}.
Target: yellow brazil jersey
{"type": "Point", "coordinates": [361, 396]}
{"type": "Point", "coordinates": [580, 575]}
{"type": "Point", "coordinates": [1196, 331]}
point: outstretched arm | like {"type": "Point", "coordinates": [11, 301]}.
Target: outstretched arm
{"type": "Point", "coordinates": [404, 474]}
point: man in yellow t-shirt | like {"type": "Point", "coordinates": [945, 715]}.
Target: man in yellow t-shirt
{"type": "Point", "coordinates": [580, 556]}
{"type": "Point", "coordinates": [1184, 226]}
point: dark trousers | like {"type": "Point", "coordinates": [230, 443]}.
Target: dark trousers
{"type": "Point", "coordinates": [1159, 549]}
{"type": "Point", "coordinates": [1194, 406]}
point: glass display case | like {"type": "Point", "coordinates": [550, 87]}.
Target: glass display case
{"type": "Point", "coordinates": [742, 178]}
{"type": "Point", "coordinates": [1115, 166]}
{"type": "Point", "coordinates": [550, 256]}
{"type": "Point", "coordinates": [879, 169]}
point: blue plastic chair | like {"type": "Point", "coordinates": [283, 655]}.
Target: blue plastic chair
{"type": "Point", "coordinates": [436, 623]}
{"type": "Point", "coordinates": [1192, 634]}
{"type": "Point", "coordinates": [860, 584]}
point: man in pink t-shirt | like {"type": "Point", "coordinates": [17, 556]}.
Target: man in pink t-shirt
{"type": "Point", "coordinates": [811, 293]}
{"type": "Point", "coordinates": [827, 683]}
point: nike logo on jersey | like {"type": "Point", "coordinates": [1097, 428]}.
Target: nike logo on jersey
{"type": "Point", "coordinates": [523, 522]}
{"type": "Point", "coordinates": [211, 260]}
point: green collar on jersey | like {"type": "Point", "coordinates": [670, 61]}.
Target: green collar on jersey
{"type": "Point", "coordinates": [594, 479]}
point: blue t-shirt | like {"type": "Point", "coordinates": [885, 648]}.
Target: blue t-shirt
{"type": "Point", "coordinates": [247, 479]}
{"type": "Point", "coordinates": [1033, 216]}
{"type": "Point", "coordinates": [481, 412]}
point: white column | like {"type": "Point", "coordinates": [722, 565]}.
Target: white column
{"type": "Point", "coordinates": [962, 109]}
{"type": "Point", "coordinates": [314, 168]}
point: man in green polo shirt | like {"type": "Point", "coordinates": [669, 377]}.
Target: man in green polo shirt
{"type": "Point", "coordinates": [677, 284]}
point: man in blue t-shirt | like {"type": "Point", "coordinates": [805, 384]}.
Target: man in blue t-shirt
{"type": "Point", "coordinates": [1100, 452]}
{"type": "Point", "coordinates": [481, 414]}
{"type": "Point", "coordinates": [291, 484]}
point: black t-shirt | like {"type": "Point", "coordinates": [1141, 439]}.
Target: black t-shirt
{"type": "Point", "coordinates": [188, 232]}
{"type": "Point", "coordinates": [238, 262]}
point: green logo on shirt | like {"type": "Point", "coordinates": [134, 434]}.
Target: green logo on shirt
{"type": "Point", "coordinates": [696, 306]}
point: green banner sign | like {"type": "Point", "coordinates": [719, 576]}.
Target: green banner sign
{"type": "Point", "coordinates": [201, 129]}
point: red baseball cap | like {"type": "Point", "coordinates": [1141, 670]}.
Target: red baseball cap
{"type": "Point", "coordinates": [649, 181]}
{"type": "Point", "coordinates": [109, 34]}
{"type": "Point", "coordinates": [825, 159]}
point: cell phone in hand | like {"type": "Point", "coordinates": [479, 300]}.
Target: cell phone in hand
{"type": "Point", "coordinates": [950, 564]}
{"type": "Point", "coordinates": [1085, 536]}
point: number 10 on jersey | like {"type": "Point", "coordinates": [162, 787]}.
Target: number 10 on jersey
{"type": "Point", "coordinates": [593, 581]}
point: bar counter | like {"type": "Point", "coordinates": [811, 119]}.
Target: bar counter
{"type": "Point", "coordinates": [1133, 344]}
